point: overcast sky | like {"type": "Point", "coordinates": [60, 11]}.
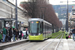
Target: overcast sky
{"type": "Point", "coordinates": [61, 2]}
{"type": "Point", "coordinates": [53, 2]}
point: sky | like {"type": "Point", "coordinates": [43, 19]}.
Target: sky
{"type": "Point", "coordinates": [53, 2]}
{"type": "Point", "coordinates": [63, 21]}
{"type": "Point", "coordinates": [61, 2]}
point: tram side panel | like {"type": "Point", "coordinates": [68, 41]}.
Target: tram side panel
{"type": "Point", "coordinates": [44, 30]}
{"type": "Point", "coordinates": [47, 30]}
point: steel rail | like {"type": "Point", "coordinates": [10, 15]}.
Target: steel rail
{"type": "Point", "coordinates": [58, 43]}
{"type": "Point", "coordinates": [48, 44]}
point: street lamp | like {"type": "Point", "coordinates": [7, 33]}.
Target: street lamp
{"type": "Point", "coordinates": [67, 18]}
{"type": "Point", "coordinates": [16, 15]}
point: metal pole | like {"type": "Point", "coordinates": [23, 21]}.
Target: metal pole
{"type": "Point", "coordinates": [67, 18]}
{"type": "Point", "coordinates": [16, 15]}
{"type": "Point", "coordinates": [40, 12]}
{"type": "Point", "coordinates": [33, 9]}
{"type": "Point", "coordinates": [44, 12]}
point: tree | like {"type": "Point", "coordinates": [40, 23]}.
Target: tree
{"type": "Point", "coordinates": [30, 6]}
{"type": "Point", "coordinates": [41, 9]}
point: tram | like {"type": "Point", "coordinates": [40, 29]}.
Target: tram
{"type": "Point", "coordinates": [39, 29]}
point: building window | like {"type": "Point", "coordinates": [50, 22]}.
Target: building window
{"type": "Point", "coordinates": [31, 0]}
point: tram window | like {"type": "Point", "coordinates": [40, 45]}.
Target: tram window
{"type": "Point", "coordinates": [41, 27]}
{"type": "Point", "coordinates": [46, 27]}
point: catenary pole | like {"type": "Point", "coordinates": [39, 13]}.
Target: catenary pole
{"type": "Point", "coordinates": [16, 15]}
{"type": "Point", "coordinates": [67, 18]}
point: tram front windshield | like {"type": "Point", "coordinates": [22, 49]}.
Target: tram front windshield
{"type": "Point", "coordinates": [34, 27]}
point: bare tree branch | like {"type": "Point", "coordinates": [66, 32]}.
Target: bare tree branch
{"type": "Point", "coordinates": [40, 9]}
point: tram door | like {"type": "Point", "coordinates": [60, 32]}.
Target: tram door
{"type": "Point", "coordinates": [45, 30]}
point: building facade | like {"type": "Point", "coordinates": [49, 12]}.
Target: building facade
{"type": "Point", "coordinates": [7, 16]}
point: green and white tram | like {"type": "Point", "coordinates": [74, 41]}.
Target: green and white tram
{"type": "Point", "coordinates": [39, 29]}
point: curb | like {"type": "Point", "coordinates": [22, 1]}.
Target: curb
{"type": "Point", "coordinates": [10, 44]}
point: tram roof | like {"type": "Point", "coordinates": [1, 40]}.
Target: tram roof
{"type": "Point", "coordinates": [38, 19]}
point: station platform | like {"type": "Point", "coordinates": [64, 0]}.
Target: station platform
{"type": "Point", "coordinates": [12, 42]}
{"type": "Point", "coordinates": [68, 44]}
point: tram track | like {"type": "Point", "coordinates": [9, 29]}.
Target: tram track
{"type": "Point", "coordinates": [30, 45]}
{"type": "Point", "coordinates": [16, 46]}
{"type": "Point", "coordinates": [51, 43]}
{"type": "Point", "coordinates": [40, 45]}
{"type": "Point", "coordinates": [58, 43]}
{"type": "Point", "coordinates": [22, 46]}
{"type": "Point", "coordinates": [45, 45]}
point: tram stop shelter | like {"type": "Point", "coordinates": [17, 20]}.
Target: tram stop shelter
{"type": "Point", "coordinates": [6, 22]}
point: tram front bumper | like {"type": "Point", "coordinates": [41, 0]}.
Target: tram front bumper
{"type": "Point", "coordinates": [39, 37]}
